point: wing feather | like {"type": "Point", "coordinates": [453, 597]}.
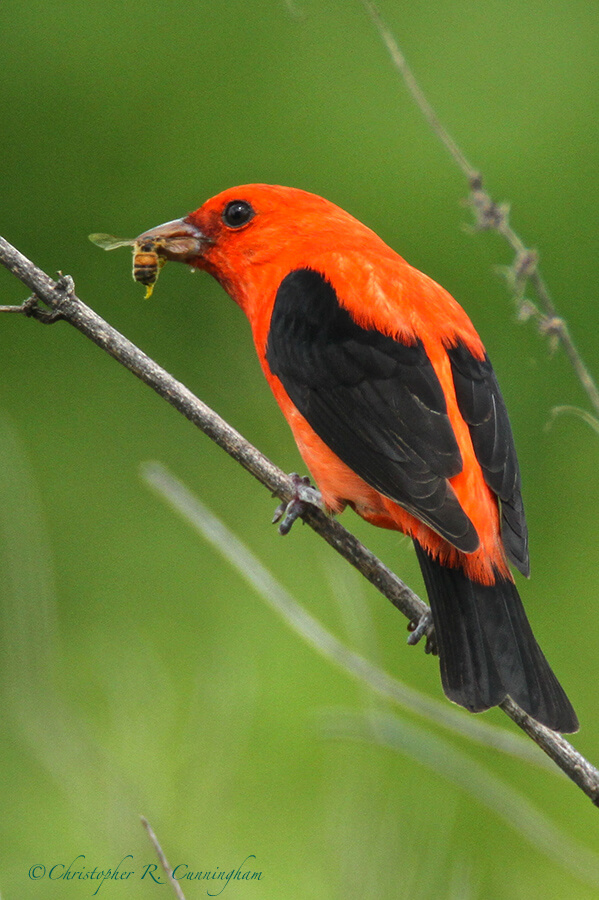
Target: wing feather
{"type": "Point", "coordinates": [483, 408]}
{"type": "Point", "coordinates": [375, 401]}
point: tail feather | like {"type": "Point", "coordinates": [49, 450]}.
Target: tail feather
{"type": "Point", "coordinates": [487, 650]}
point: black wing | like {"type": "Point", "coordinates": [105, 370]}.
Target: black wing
{"type": "Point", "coordinates": [483, 408]}
{"type": "Point", "coordinates": [376, 402]}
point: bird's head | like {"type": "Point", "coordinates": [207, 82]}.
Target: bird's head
{"type": "Point", "coordinates": [251, 236]}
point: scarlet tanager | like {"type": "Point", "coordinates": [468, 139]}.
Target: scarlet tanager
{"type": "Point", "coordinates": [396, 411]}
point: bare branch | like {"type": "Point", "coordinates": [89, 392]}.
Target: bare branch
{"type": "Point", "coordinates": [492, 216]}
{"type": "Point", "coordinates": [64, 304]}
{"type": "Point", "coordinates": [573, 763]}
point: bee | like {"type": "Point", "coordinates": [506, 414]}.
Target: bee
{"type": "Point", "coordinates": [147, 260]}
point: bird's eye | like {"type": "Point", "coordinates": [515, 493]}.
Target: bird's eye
{"type": "Point", "coordinates": [237, 213]}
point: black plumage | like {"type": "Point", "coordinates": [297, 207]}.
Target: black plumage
{"type": "Point", "coordinates": [482, 406]}
{"type": "Point", "coordinates": [376, 402]}
{"type": "Point", "coordinates": [487, 649]}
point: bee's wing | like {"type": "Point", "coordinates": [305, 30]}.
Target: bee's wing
{"type": "Point", "coordinates": [109, 241]}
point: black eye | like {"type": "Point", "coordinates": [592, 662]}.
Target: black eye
{"type": "Point", "coordinates": [237, 213]}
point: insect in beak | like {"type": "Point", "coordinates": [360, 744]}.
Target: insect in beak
{"type": "Point", "coordinates": [176, 240]}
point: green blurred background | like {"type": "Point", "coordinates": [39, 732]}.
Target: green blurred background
{"type": "Point", "coordinates": [140, 674]}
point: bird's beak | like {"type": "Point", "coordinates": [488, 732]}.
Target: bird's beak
{"type": "Point", "coordinates": [178, 240]}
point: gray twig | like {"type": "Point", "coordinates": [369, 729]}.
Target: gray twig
{"type": "Point", "coordinates": [61, 299]}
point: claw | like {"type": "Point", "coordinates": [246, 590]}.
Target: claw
{"type": "Point", "coordinates": [279, 511]}
{"type": "Point", "coordinates": [423, 627]}
{"type": "Point", "coordinates": [304, 495]}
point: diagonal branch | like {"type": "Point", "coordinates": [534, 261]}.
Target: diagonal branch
{"type": "Point", "coordinates": [63, 303]}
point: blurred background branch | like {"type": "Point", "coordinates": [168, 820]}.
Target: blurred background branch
{"type": "Point", "coordinates": [492, 216]}
{"type": "Point", "coordinates": [162, 859]}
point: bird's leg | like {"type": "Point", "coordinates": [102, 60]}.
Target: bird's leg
{"type": "Point", "coordinates": [423, 627]}
{"type": "Point", "coordinates": [304, 495]}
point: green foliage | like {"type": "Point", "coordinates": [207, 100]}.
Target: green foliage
{"type": "Point", "coordinates": [141, 675]}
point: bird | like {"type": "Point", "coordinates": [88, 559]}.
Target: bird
{"type": "Point", "coordinates": [397, 413]}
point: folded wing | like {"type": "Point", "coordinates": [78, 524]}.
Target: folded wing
{"type": "Point", "coordinates": [375, 401]}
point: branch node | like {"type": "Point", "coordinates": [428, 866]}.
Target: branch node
{"type": "Point", "coordinates": [488, 215]}
{"type": "Point", "coordinates": [64, 290]}
{"type": "Point", "coordinates": [32, 309]}
{"type": "Point", "coordinates": [555, 329]}
{"type": "Point", "coordinates": [527, 310]}
{"type": "Point", "coordinates": [552, 325]}
{"type": "Point", "coordinates": [65, 285]}
{"type": "Point", "coordinates": [475, 182]}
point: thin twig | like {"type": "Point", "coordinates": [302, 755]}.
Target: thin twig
{"type": "Point", "coordinates": [60, 297]}
{"type": "Point", "coordinates": [416, 91]}
{"type": "Point", "coordinates": [162, 858]}
{"type": "Point", "coordinates": [492, 216]}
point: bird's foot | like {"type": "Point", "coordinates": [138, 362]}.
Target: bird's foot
{"type": "Point", "coordinates": [423, 627]}
{"type": "Point", "coordinates": [304, 495]}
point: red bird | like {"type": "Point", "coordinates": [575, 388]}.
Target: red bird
{"type": "Point", "coordinates": [396, 411]}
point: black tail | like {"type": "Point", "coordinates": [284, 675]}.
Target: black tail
{"type": "Point", "coordinates": [487, 649]}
